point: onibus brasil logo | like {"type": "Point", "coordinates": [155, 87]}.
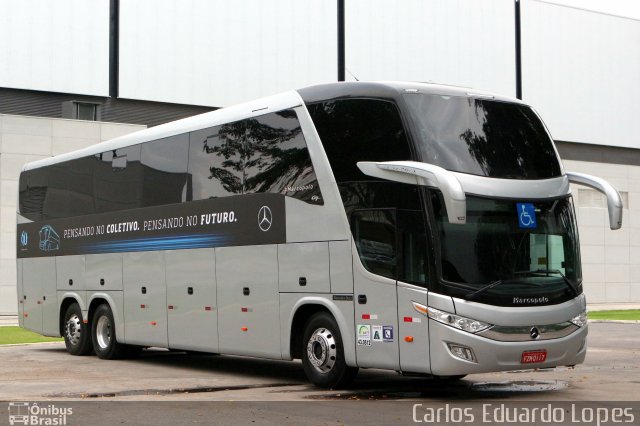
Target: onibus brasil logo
{"type": "Point", "coordinates": [27, 413]}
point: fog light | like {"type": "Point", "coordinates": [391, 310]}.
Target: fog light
{"type": "Point", "coordinates": [462, 352]}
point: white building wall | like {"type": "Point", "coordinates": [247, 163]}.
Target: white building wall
{"type": "Point", "coordinates": [610, 259]}
{"type": "Point", "coordinates": [24, 139]}
{"type": "Point", "coordinates": [465, 42]}
{"type": "Point", "coordinates": [217, 53]}
{"type": "Point", "coordinates": [581, 71]}
{"type": "Point", "coordinates": [59, 46]}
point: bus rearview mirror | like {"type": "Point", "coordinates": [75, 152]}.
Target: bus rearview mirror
{"type": "Point", "coordinates": [424, 174]}
{"type": "Point", "coordinates": [614, 201]}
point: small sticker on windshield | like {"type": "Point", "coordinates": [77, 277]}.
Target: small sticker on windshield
{"type": "Point", "coordinates": [526, 215]}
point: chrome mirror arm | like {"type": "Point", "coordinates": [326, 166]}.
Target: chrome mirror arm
{"type": "Point", "coordinates": [614, 201]}
{"type": "Point", "coordinates": [424, 174]}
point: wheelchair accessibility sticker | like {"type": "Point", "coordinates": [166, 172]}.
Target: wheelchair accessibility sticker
{"type": "Point", "coordinates": [526, 215]}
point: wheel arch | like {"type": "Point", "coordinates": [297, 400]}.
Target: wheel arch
{"type": "Point", "coordinates": [304, 309]}
{"type": "Point", "coordinates": [98, 299]}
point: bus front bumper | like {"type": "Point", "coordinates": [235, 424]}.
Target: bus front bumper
{"type": "Point", "coordinates": [492, 355]}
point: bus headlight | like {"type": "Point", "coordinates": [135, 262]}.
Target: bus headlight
{"type": "Point", "coordinates": [456, 321]}
{"type": "Point", "coordinates": [580, 320]}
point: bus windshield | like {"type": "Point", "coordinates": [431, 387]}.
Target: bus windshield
{"type": "Point", "coordinates": [482, 137]}
{"type": "Point", "coordinates": [517, 250]}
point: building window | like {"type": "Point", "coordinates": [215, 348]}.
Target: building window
{"type": "Point", "coordinates": [85, 111]}
{"type": "Point", "coordinates": [89, 111]}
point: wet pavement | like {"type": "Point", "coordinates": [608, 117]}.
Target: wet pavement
{"type": "Point", "coordinates": [170, 388]}
{"type": "Point", "coordinates": [46, 371]}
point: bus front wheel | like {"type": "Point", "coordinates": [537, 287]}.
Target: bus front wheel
{"type": "Point", "coordinates": [323, 353]}
{"type": "Point", "coordinates": [103, 335]}
{"type": "Point", "coordinates": [76, 333]}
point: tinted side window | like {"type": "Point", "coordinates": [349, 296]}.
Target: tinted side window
{"type": "Point", "coordinates": [373, 207]}
{"type": "Point", "coordinates": [374, 233]}
{"type": "Point", "coordinates": [33, 191]}
{"type": "Point", "coordinates": [355, 130]}
{"type": "Point", "coordinates": [262, 154]}
{"type": "Point", "coordinates": [164, 164]}
{"type": "Point", "coordinates": [118, 179]}
{"type": "Point", "coordinates": [81, 195]}
{"type": "Point", "coordinates": [215, 161]}
{"type": "Point", "coordinates": [277, 158]}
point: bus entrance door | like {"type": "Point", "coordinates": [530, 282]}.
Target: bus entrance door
{"type": "Point", "coordinates": [375, 288]}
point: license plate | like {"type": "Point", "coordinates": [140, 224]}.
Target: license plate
{"type": "Point", "coordinates": [533, 357]}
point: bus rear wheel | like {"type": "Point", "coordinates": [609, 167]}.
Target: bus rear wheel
{"type": "Point", "coordinates": [103, 335]}
{"type": "Point", "coordinates": [77, 334]}
{"type": "Point", "coordinates": [323, 353]}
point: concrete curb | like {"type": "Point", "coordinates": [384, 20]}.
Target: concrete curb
{"type": "Point", "coordinates": [30, 344]}
{"type": "Point", "coordinates": [614, 321]}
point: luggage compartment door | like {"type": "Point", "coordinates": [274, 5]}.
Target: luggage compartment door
{"type": "Point", "coordinates": [37, 273]}
{"type": "Point", "coordinates": [145, 298]}
{"type": "Point", "coordinates": [249, 320]}
{"type": "Point", "coordinates": [191, 300]}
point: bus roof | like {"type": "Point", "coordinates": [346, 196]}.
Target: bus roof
{"type": "Point", "coordinates": [290, 99]}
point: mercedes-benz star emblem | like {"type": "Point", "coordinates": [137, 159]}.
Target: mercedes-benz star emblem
{"type": "Point", "coordinates": [265, 218]}
{"type": "Point", "coordinates": [534, 333]}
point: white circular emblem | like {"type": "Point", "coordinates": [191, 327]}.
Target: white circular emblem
{"type": "Point", "coordinates": [265, 218]}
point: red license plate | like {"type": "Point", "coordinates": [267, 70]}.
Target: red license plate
{"type": "Point", "coordinates": [533, 357]}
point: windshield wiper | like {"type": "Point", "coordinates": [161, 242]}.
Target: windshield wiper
{"type": "Point", "coordinates": [536, 272]}
{"type": "Point", "coordinates": [491, 285]}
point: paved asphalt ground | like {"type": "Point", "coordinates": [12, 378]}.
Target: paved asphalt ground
{"type": "Point", "coordinates": [276, 392]}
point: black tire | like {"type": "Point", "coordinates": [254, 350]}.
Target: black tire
{"type": "Point", "coordinates": [77, 334]}
{"type": "Point", "coordinates": [323, 357]}
{"type": "Point", "coordinates": [103, 335]}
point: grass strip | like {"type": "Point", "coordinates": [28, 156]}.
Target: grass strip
{"type": "Point", "coordinates": [13, 335]}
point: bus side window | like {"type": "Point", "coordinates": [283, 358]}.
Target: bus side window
{"type": "Point", "coordinates": [374, 233]}
{"type": "Point", "coordinates": [117, 184]}
{"type": "Point", "coordinates": [164, 168]}
{"type": "Point", "coordinates": [266, 153]}
{"type": "Point", "coordinates": [81, 199]}
{"type": "Point", "coordinates": [277, 159]}
{"type": "Point", "coordinates": [353, 130]}
{"type": "Point", "coordinates": [215, 162]}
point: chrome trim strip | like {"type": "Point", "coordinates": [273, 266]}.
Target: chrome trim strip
{"type": "Point", "coordinates": [523, 334]}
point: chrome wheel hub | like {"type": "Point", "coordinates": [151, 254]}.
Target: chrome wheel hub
{"type": "Point", "coordinates": [322, 350]}
{"type": "Point", "coordinates": [103, 332]}
{"type": "Point", "coordinates": [72, 329]}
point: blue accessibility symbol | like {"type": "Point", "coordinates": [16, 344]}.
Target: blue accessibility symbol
{"type": "Point", "coordinates": [526, 215]}
{"type": "Point", "coordinates": [24, 238]}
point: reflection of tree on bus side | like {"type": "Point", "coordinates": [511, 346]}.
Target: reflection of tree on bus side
{"type": "Point", "coordinates": [254, 159]}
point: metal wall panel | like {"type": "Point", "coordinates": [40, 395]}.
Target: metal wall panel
{"type": "Point", "coordinates": [580, 71]}
{"type": "Point", "coordinates": [467, 43]}
{"type": "Point", "coordinates": [60, 46]}
{"type": "Point", "coordinates": [223, 52]}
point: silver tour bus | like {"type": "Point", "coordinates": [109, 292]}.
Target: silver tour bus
{"type": "Point", "coordinates": [413, 227]}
